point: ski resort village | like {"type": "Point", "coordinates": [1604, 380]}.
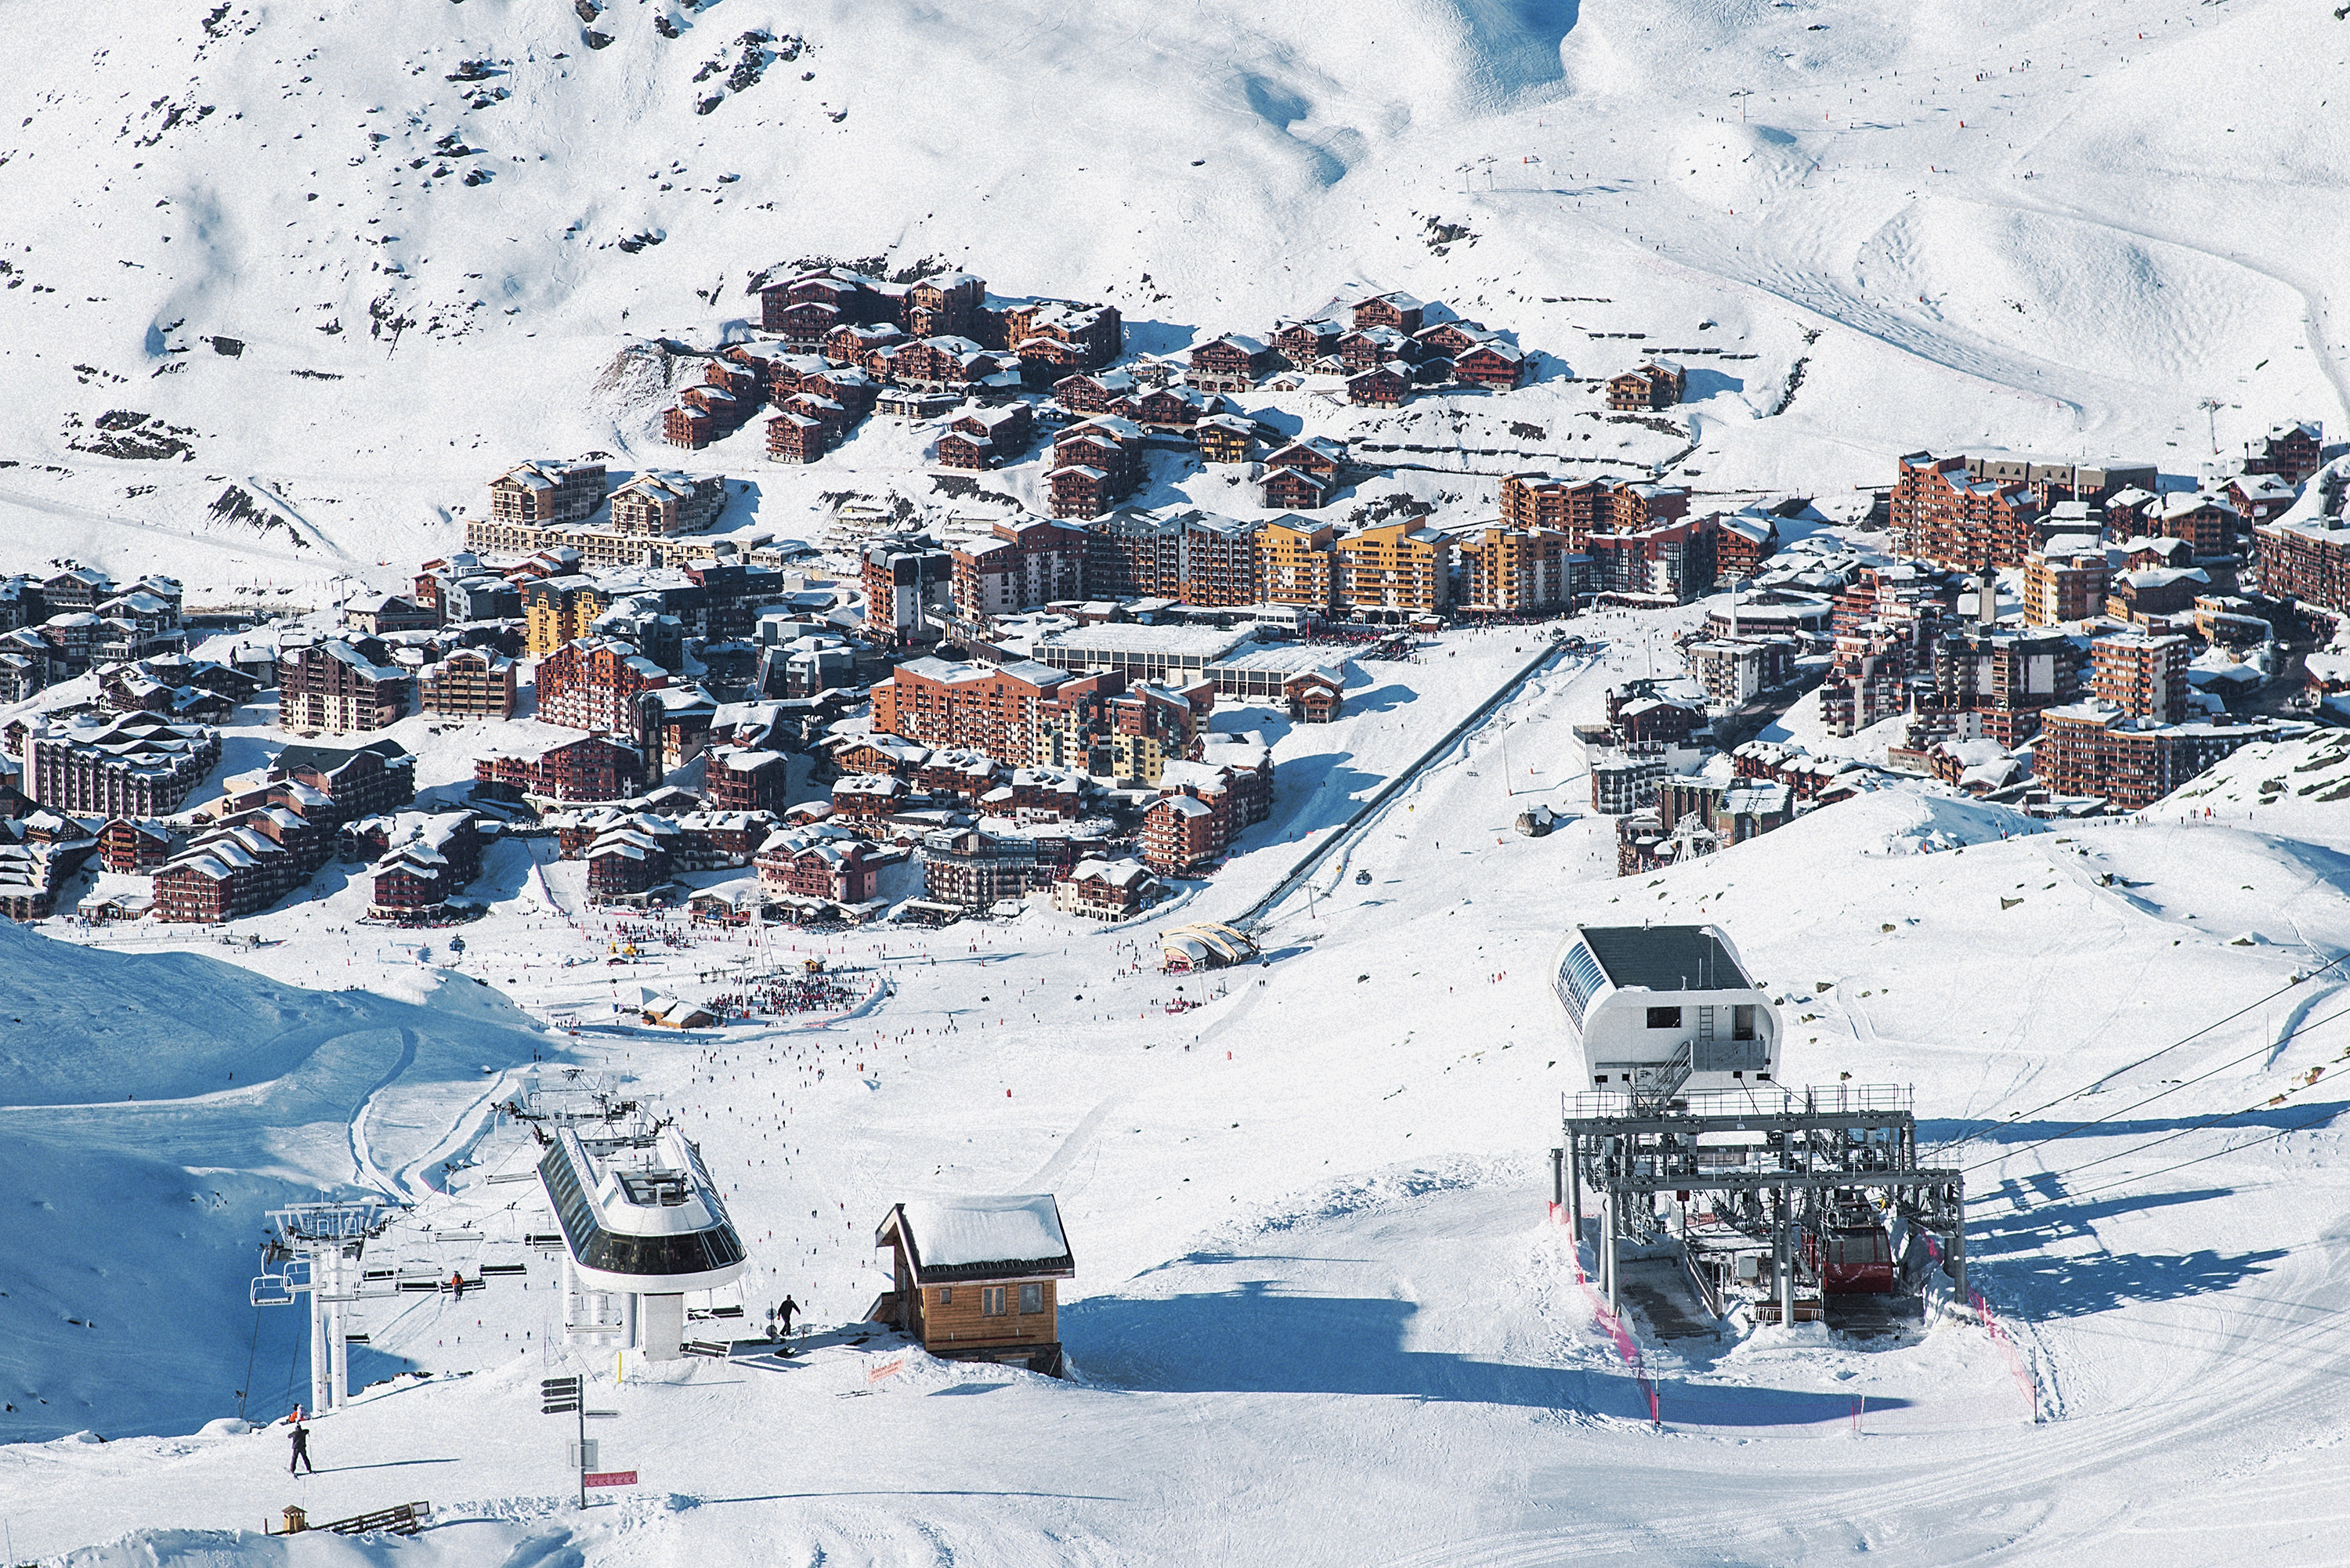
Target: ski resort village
{"type": "Point", "coordinates": [1487, 783]}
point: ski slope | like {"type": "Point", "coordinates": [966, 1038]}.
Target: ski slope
{"type": "Point", "coordinates": [1318, 1311]}
{"type": "Point", "coordinates": [1914, 226]}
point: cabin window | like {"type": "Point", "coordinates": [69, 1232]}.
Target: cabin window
{"type": "Point", "coordinates": [946, 1295]}
{"type": "Point", "coordinates": [991, 1301]}
{"type": "Point", "coordinates": [1741, 1021]}
{"type": "Point", "coordinates": [1664, 1018]}
{"type": "Point", "coordinates": [1032, 1299]}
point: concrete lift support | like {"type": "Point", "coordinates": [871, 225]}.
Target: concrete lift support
{"type": "Point", "coordinates": [1780, 1159]}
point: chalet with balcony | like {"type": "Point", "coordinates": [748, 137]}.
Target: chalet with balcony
{"type": "Point", "coordinates": [1229, 364]}
{"type": "Point", "coordinates": [1495, 366]}
{"type": "Point", "coordinates": [1224, 438]}
{"type": "Point", "coordinates": [1380, 387]}
{"type": "Point", "coordinates": [1396, 311]}
{"type": "Point", "coordinates": [1658, 385]}
{"type": "Point", "coordinates": [1097, 393]}
{"type": "Point", "coordinates": [1306, 344]}
{"type": "Point", "coordinates": [795, 436]}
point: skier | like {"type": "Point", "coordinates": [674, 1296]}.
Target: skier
{"type": "Point", "coordinates": [301, 1451]}
{"type": "Point", "coordinates": [784, 1314]}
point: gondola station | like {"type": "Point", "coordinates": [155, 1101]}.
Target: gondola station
{"type": "Point", "coordinates": [1791, 1196]}
{"type": "Point", "coordinates": [642, 1226]}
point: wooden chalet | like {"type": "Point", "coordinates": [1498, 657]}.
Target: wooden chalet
{"type": "Point", "coordinates": [1495, 365]}
{"type": "Point", "coordinates": [794, 436]}
{"type": "Point", "coordinates": [1174, 408]}
{"type": "Point", "coordinates": [1317, 455]}
{"type": "Point", "coordinates": [1305, 344]}
{"type": "Point", "coordinates": [1224, 438]}
{"type": "Point", "coordinates": [1296, 489]}
{"type": "Point", "coordinates": [1367, 347]}
{"type": "Point", "coordinates": [1380, 387]}
{"type": "Point", "coordinates": [1049, 361]}
{"type": "Point", "coordinates": [1311, 696]}
{"type": "Point", "coordinates": [1450, 339]}
{"type": "Point", "coordinates": [961, 448]}
{"type": "Point", "coordinates": [1009, 427]}
{"type": "Point", "coordinates": [746, 384]}
{"type": "Point", "coordinates": [134, 844]}
{"type": "Point", "coordinates": [1396, 311]}
{"type": "Point", "coordinates": [802, 325]}
{"type": "Point", "coordinates": [1229, 364]}
{"type": "Point", "coordinates": [1079, 490]}
{"type": "Point", "coordinates": [1656, 385]}
{"type": "Point", "coordinates": [847, 385]}
{"type": "Point", "coordinates": [946, 304]}
{"type": "Point", "coordinates": [825, 410]}
{"type": "Point", "coordinates": [853, 343]}
{"type": "Point", "coordinates": [785, 373]}
{"type": "Point", "coordinates": [691, 428]}
{"type": "Point", "coordinates": [976, 1278]}
{"type": "Point", "coordinates": [1101, 392]}
{"type": "Point", "coordinates": [1056, 338]}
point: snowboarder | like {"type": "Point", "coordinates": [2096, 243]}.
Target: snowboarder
{"type": "Point", "coordinates": [301, 1452]}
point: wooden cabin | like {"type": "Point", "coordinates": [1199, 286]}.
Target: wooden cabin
{"type": "Point", "coordinates": [977, 1278]}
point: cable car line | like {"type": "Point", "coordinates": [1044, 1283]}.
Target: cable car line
{"type": "Point", "coordinates": [2261, 1050]}
{"type": "Point", "coordinates": [2097, 1083]}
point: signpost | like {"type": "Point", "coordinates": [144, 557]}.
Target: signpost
{"type": "Point", "coordinates": [567, 1397]}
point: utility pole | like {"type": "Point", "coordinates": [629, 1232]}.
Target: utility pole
{"type": "Point", "coordinates": [2210, 407]}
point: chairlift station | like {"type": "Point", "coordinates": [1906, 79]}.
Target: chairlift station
{"type": "Point", "coordinates": [1680, 1048]}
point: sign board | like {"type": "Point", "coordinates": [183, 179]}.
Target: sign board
{"type": "Point", "coordinates": [885, 1369]}
{"type": "Point", "coordinates": [610, 1478]}
{"type": "Point", "coordinates": [583, 1454]}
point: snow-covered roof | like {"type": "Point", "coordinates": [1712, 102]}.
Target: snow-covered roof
{"type": "Point", "coordinates": [1013, 1234]}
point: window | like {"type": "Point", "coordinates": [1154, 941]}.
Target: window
{"type": "Point", "coordinates": [1664, 1018]}
{"type": "Point", "coordinates": [1032, 1299]}
{"type": "Point", "coordinates": [991, 1301]}
{"type": "Point", "coordinates": [946, 1295]}
{"type": "Point", "coordinates": [1741, 1021]}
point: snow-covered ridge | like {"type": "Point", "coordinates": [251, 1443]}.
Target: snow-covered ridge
{"type": "Point", "coordinates": [315, 251]}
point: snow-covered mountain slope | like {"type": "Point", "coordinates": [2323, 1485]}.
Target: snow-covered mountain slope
{"type": "Point", "coordinates": [152, 1106]}
{"type": "Point", "coordinates": [429, 228]}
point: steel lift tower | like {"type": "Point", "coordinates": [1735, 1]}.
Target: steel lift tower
{"type": "Point", "coordinates": [314, 1250]}
{"type": "Point", "coordinates": [1787, 1168]}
